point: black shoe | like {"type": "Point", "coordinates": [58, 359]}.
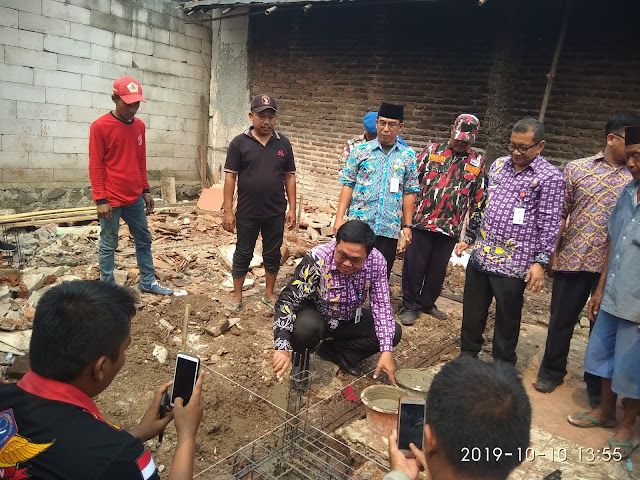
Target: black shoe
{"type": "Point", "coordinates": [325, 351]}
{"type": "Point", "coordinates": [408, 317]}
{"type": "Point", "coordinates": [7, 247]}
{"type": "Point", "coordinates": [546, 386]}
{"type": "Point", "coordinates": [435, 313]}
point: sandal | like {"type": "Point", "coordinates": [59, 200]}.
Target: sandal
{"type": "Point", "coordinates": [233, 307]}
{"type": "Point", "coordinates": [583, 420]}
{"type": "Point", "coordinates": [624, 448]}
{"type": "Point", "coordinates": [269, 303]}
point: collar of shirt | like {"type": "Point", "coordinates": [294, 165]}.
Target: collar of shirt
{"type": "Point", "coordinates": [535, 165]}
{"type": "Point", "coordinates": [58, 391]}
{"type": "Point", "coordinates": [632, 190]}
{"type": "Point", "coordinates": [248, 133]}
{"type": "Point", "coordinates": [599, 157]}
{"type": "Point", "coordinates": [376, 144]}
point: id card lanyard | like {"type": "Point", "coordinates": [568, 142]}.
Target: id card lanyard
{"type": "Point", "coordinates": [518, 212]}
{"type": "Point", "coordinates": [395, 181]}
{"type": "Point", "coordinates": [361, 299]}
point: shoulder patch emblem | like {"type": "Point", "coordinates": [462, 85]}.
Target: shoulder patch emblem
{"type": "Point", "coordinates": [14, 448]}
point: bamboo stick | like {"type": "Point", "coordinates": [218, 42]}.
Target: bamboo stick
{"type": "Point", "coordinates": [185, 325]}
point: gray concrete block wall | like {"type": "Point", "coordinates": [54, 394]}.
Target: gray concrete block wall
{"type": "Point", "coordinates": [229, 93]}
{"type": "Point", "coordinates": [58, 60]}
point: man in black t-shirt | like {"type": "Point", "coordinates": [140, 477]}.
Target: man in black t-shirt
{"type": "Point", "coordinates": [49, 426]}
{"type": "Point", "coordinates": [261, 160]}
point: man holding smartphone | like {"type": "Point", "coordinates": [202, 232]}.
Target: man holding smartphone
{"type": "Point", "coordinates": [49, 421]}
{"type": "Point", "coordinates": [472, 406]}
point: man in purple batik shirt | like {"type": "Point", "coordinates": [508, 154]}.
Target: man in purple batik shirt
{"type": "Point", "coordinates": [514, 229]}
{"type": "Point", "coordinates": [324, 302]}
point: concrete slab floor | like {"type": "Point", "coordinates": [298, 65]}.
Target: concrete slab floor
{"type": "Point", "coordinates": [555, 444]}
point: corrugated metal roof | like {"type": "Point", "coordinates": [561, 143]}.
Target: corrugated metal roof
{"type": "Point", "coordinates": [204, 5]}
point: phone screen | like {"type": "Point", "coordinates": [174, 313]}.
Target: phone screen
{"type": "Point", "coordinates": [184, 379]}
{"type": "Point", "coordinates": [411, 425]}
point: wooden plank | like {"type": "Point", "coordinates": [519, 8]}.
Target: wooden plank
{"type": "Point", "coordinates": [205, 181]}
{"type": "Point", "coordinates": [44, 212]}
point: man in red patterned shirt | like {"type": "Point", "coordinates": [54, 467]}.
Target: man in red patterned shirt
{"type": "Point", "coordinates": [451, 179]}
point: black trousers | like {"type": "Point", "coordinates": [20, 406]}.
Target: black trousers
{"type": "Point", "coordinates": [387, 247]}
{"type": "Point", "coordinates": [272, 230]}
{"type": "Point", "coordinates": [568, 297]}
{"type": "Point", "coordinates": [479, 290]}
{"type": "Point", "coordinates": [424, 268]}
{"type": "Point", "coordinates": [356, 341]}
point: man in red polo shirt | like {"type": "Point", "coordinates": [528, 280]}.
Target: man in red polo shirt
{"type": "Point", "coordinates": [49, 426]}
{"type": "Point", "coordinates": [118, 173]}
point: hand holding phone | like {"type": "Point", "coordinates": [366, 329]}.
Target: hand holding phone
{"type": "Point", "coordinates": [187, 418]}
{"type": "Point", "coordinates": [411, 415]}
{"type": "Point", "coordinates": [184, 377]}
{"type": "Point", "coordinates": [164, 404]}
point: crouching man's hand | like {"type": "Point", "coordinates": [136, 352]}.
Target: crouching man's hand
{"type": "Point", "coordinates": [386, 364]}
{"type": "Point", "coordinates": [281, 362]}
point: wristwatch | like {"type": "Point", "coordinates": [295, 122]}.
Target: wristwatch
{"type": "Point", "coordinates": [406, 226]}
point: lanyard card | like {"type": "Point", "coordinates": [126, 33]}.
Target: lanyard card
{"type": "Point", "coordinates": [518, 216]}
{"type": "Point", "coordinates": [358, 315]}
{"type": "Point", "coordinates": [395, 185]}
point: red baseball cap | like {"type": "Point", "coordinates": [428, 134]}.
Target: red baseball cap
{"type": "Point", "coordinates": [128, 89]}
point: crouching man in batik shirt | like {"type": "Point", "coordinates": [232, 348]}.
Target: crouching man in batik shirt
{"type": "Point", "coordinates": [324, 302]}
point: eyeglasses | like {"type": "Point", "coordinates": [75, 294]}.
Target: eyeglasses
{"type": "Point", "coordinates": [384, 123]}
{"type": "Point", "coordinates": [635, 156]}
{"type": "Point", "coordinates": [353, 260]}
{"type": "Point", "coordinates": [520, 148]}
{"type": "Point", "coordinates": [618, 135]}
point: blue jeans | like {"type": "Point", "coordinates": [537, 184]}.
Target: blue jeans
{"type": "Point", "coordinates": [136, 218]}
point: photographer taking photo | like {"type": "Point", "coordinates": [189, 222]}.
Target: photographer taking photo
{"type": "Point", "coordinates": [50, 427]}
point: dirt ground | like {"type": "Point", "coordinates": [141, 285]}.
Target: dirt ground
{"type": "Point", "coordinates": [239, 384]}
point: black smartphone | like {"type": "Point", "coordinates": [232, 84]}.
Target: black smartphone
{"type": "Point", "coordinates": [184, 377]}
{"type": "Point", "coordinates": [411, 413]}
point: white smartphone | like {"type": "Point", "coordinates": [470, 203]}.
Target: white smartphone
{"type": "Point", "coordinates": [184, 377]}
{"type": "Point", "coordinates": [411, 413]}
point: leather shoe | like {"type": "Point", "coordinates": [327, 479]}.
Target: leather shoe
{"type": "Point", "coordinates": [436, 313]}
{"type": "Point", "coordinates": [546, 386]}
{"type": "Point", "coordinates": [408, 317]}
{"type": "Point", "coordinates": [326, 352]}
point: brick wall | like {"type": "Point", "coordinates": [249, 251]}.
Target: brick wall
{"type": "Point", "coordinates": [58, 60]}
{"type": "Point", "coordinates": [328, 67]}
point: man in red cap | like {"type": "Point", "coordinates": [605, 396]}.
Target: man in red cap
{"type": "Point", "coordinates": [451, 177]}
{"type": "Point", "coordinates": [261, 160]}
{"type": "Point", "coordinates": [118, 173]}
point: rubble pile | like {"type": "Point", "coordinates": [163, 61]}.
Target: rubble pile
{"type": "Point", "coordinates": [192, 254]}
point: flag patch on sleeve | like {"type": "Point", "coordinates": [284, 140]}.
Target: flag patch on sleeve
{"type": "Point", "coordinates": [146, 465]}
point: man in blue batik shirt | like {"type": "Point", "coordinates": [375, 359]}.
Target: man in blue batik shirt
{"type": "Point", "coordinates": [380, 180]}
